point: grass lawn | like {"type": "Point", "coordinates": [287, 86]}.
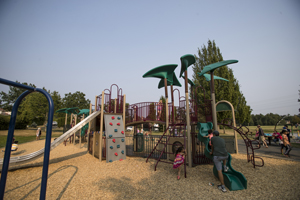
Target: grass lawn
{"type": "Point", "coordinates": [26, 135]}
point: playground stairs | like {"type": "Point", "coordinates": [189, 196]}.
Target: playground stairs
{"type": "Point", "coordinates": [248, 142]}
{"type": "Point", "coordinates": [165, 148]}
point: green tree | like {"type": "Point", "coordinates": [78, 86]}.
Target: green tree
{"type": "Point", "coordinates": [8, 99]}
{"type": "Point", "coordinates": [152, 112]}
{"type": "Point", "coordinates": [229, 91]}
{"type": "Point", "coordinates": [35, 107]}
{"type": "Point", "coordinates": [76, 99]}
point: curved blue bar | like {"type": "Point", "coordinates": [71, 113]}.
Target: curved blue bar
{"type": "Point", "coordinates": [9, 140]}
{"type": "Point", "coordinates": [11, 133]}
{"type": "Point", "coordinates": [47, 143]}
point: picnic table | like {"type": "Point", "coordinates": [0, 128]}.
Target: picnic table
{"type": "Point", "coordinates": [269, 136]}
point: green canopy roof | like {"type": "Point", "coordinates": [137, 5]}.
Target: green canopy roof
{"type": "Point", "coordinates": [84, 111]}
{"type": "Point", "coordinates": [186, 61]}
{"type": "Point", "coordinates": [189, 81]}
{"type": "Point", "coordinates": [216, 65]}
{"type": "Point", "coordinates": [74, 110]}
{"type": "Point", "coordinates": [63, 110]}
{"type": "Point", "coordinates": [164, 71]}
{"type": "Point", "coordinates": [208, 78]}
{"type": "Point", "coordinates": [175, 82]}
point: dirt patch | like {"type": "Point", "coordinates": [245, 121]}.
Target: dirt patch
{"type": "Point", "coordinates": [75, 174]}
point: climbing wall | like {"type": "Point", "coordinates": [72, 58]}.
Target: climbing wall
{"type": "Point", "coordinates": [115, 137]}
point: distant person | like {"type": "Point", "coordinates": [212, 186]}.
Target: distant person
{"type": "Point", "coordinates": [159, 109]}
{"type": "Point", "coordinates": [14, 146]}
{"type": "Point", "coordinates": [209, 135]}
{"type": "Point", "coordinates": [276, 136]}
{"type": "Point", "coordinates": [38, 133]}
{"type": "Point", "coordinates": [281, 142]}
{"type": "Point", "coordinates": [286, 143]}
{"type": "Point", "coordinates": [179, 160]}
{"type": "Point", "coordinates": [219, 152]}
{"type": "Point", "coordinates": [288, 133]}
{"type": "Point", "coordinates": [261, 136]}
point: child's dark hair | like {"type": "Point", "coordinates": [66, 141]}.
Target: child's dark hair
{"type": "Point", "coordinates": [209, 131]}
{"type": "Point", "coordinates": [179, 150]}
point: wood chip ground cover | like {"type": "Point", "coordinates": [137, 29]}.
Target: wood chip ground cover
{"type": "Point", "coordinates": [75, 174]}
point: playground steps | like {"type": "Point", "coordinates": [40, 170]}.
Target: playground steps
{"type": "Point", "coordinates": [163, 151]}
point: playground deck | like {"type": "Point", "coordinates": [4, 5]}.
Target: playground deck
{"type": "Point", "coordinates": [75, 174]}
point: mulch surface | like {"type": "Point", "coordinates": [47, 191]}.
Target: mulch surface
{"type": "Point", "coordinates": [75, 174]}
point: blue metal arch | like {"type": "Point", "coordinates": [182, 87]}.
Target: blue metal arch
{"type": "Point", "coordinates": [11, 133]}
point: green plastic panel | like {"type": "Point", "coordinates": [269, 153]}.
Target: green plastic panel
{"type": "Point", "coordinates": [208, 77]}
{"type": "Point", "coordinates": [216, 65]}
{"type": "Point", "coordinates": [186, 61]}
{"type": "Point", "coordinates": [189, 81]}
{"type": "Point", "coordinates": [84, 111]}
{"type": "Point", "coordinates": [175, 82]}
{"type": "Point", "coordinates": [164, 71]}
{"type": "Point", "coordinates": [223, 106]}
{"type": "Point", "coordinates": [63, 110]}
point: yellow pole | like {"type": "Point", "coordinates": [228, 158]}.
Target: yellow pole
{"type": "Point", "coordinates": [189, 152]}
{"type": "Point", "coordinates": [94, 134]}
{"type": "Point", "coordinates": [115, 108]}
{"type": "Point", "coordinates": [124, 109]}
{"type": "Point", "coordinates": [80, 132]}
{"type": "Point", "coordinates": [89, 129]}
{"type": "Point", "coordinates": [101, 128]}
{"type": "Point", "coordinates": [75, 116]}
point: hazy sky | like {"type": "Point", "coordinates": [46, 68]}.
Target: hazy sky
{"type": "Point", "coordinates": [86, 45]}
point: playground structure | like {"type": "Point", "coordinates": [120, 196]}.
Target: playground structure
{"type": "Point", "coordinates": [180, 121]}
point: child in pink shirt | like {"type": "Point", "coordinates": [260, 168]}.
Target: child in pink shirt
{"type": "Point", "coordinates": [210, 135]}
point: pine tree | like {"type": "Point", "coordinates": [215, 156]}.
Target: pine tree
{"type": "Point", "coordinates": [229, 91]}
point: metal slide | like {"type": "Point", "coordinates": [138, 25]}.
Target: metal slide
{"type": "Point", "coordinates": [233, 179]}
{"type": "Point", "coordinates": [18, 160]}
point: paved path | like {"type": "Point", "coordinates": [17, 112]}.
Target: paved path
{"type": "Point", "coordinates": [272, 152]}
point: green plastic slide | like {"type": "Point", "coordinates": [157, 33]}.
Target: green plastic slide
{"type": "Point", "coordinates": [233, 179]}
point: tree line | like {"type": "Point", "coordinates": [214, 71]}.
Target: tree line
{"type": "Point", "coordinates": [34, 107]}
{"type": "Point", "coordinates": [272, 119]}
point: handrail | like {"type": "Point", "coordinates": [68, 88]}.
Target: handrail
{"type": "Point", "coordinates": [11, 133]}
{"type": "Point", "coordinates": [247, 141]}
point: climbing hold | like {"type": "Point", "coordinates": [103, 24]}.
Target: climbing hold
{"type": "Point", "coordinates": [118, 124]}
{"type": "Point", "coordinates": [121, 159]}
{"type": "Point", "coordinates": [116, 154]}
{"type": "Point", "coordinates": [111, 147]}
{"type": "Point", "coordinates": [110, 160]}
{"type": "Point", "coordinates": [119, 118]}
{"type": "Point", "coordinates": [110, 123]}
{"type": "Point", "coordinates": [122, 132]}
{"type": "Point", "coordinates": [114, 140]}
{"type": "Point", "coordinates": [118, 146]}
{"type": "Point", "coordinates": [112, 117]}
{"type": "Point", "coordinates": [116, 130]}
{"type": "Point", "coordinates": [110, 136]}
{"type": "Point", "coordinates": [122, 140]}
{"type": "Point", "coordinates": [122, 151]}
